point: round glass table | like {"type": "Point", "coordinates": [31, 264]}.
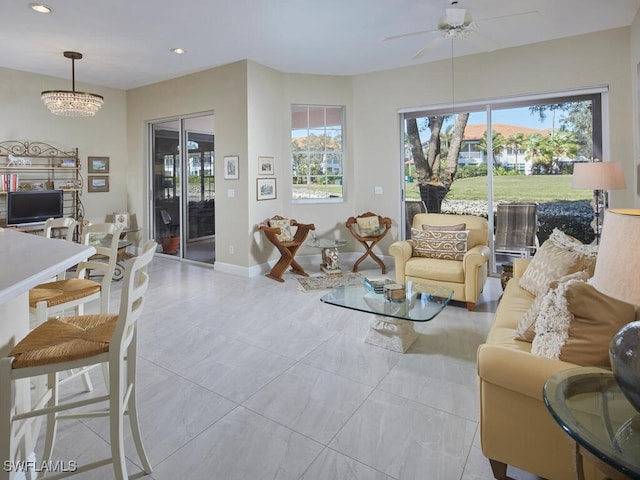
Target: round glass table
{"type": "Point", "coordinates": [329, 248]}
{"type": "Point", "coordinates": [588, 404]}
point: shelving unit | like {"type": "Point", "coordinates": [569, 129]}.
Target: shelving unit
{"type": "Point", "coordinates": [41, 166]}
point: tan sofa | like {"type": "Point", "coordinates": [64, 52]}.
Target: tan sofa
{"type": "Point", "coordinates": [515, 426]}
{"type": "Point", "coordinates": [466, 278]}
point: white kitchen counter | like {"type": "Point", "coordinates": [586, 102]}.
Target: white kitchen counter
{"type": "Point", "coordinates": [27, 260]}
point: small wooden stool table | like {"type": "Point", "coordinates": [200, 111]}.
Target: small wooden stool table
{"type": "Point", "coordinates": [369, 241]}
{"type": "Point", "coordinates": [287, 248]}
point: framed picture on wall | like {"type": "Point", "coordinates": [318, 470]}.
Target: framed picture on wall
{"type": "Point", "coordinates": [98, 183]}
{"type": "Point", "coordinates": [265, 166]}
{"type": "Point", "coordinates": [231, 167]}
{"type": "Point", "coordinates": [98, 165]}
{"type": "Point", "coordinates": [266, 188]}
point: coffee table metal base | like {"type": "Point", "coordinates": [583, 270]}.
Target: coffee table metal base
{"type": "Point", "coordinates": [391, 333]}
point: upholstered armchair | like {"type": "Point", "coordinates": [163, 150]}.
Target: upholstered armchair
{"type": "Point", "coordinates": [446, 255]}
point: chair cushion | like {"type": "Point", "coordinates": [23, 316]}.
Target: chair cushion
{"type": "Point", "coordinates": [62, 291]}
{"type": "Point", "coordinates": [442, 244]}
{"type": "Point", "coordinates": [368, 226]}
{"type": "Point", "coordinates": [65, 339]}
{"type": "Point", "coordinates": [435, 269]}
{"type": "Point", "coordinates": [284, 224]}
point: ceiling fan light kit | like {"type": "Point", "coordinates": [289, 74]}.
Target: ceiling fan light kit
{"type": "Point", "coordinates": [69, 103]}
{"type": "Point", "coordinates": [456, 17]}
{"type": "Point", "coordinates": [458, 23]}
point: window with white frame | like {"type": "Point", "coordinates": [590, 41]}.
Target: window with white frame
{"type": "Point", "coordinates": [317, 152]}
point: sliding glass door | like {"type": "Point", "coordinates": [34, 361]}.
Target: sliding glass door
{"type": "Point", "coordinates": [505, 152]}
{"type": "Point", "coordinates": [183, 185]}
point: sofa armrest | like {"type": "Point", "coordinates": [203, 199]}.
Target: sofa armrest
{"type": "Point", "coordinates": [476, 257]}
{"type": "Point", "coordinates": [401, 252]}
{"type": "Point", "coordinates": [517, 370]}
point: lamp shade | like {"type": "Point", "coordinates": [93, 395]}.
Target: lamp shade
{"type": "Point", "coordinates": [617, 271]}
{"type": "Point", "coordinates": [598, 176]}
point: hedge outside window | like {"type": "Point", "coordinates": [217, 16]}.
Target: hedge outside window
{"type": "Point", "coordinates": [317, 152]}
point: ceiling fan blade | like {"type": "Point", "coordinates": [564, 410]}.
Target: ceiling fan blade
{"type": "Point", "coordinates": [411, 34]}
{"type": "Point", "coordinates": [430, 46]}
{"type": "Point", "coordinates": [511, 15]}
{"type": "Point", "coordinates": [486, 43]}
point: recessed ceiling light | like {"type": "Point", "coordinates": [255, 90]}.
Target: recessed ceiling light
{"type": "Point", "coordinates": [38, 7]}
{"type": "Point", "coordinates": [179, 51]}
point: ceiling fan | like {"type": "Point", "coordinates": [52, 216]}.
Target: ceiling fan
{"type": "Point", "coordinates": [458, 23]}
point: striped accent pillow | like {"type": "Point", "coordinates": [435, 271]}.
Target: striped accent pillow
{"type": "Point", "coordinates": [442, 244]}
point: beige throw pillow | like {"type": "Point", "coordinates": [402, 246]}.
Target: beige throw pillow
{"type": "Point", "coordinates": [454, 228]}
{"type": "Point", "coordinates": [560, 255]}
{"type": "Point", "coordinates": [577, 322]}
{"type": "Point", "coordinates": [442, 244]}
{"type": "Point", "coordinates": [368, 226]}
{"type": "Point", "coordinates": [285, 235]}
{"type": "Point", "coordinates": [526, 327]}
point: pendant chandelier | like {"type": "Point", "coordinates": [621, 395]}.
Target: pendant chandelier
{"type": "Point", "coordinates": [71, 103]}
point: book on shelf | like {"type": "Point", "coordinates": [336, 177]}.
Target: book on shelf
{"type": "Point", "coordinates": [8, 182]}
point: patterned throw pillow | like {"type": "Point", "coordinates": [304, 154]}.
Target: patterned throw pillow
{"type": "Point", "coordinates": [560, 255]}
{"type": "Point", "coordinates": [368, 226]}
{"type": "Point", "coordinates": [284, 224]}
{"type": "Point", "coordinates": [577, 322]}
{"type": "Point", "coordinates": [443, 244]}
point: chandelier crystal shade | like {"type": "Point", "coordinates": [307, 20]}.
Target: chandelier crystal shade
{"type": "Point", "coordinates": [70, 103]}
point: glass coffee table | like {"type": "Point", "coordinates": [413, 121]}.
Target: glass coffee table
{"type": "Point", "coordinates": [393, 325]}
{"type": "Point", "coordinates": [588, 404]}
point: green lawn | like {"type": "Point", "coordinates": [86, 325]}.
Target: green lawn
{"type": "Point", "coordinates": [512, 188]}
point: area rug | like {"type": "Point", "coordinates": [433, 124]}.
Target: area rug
{"type": "Point", "coordinates": [327, 282]}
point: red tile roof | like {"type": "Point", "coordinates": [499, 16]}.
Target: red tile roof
{"type": "Point", "coordinates": [476, 131]}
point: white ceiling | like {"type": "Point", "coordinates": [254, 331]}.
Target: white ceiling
{"type": "Point", "coordinates": [126, 43]}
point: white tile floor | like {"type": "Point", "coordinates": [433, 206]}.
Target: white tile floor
{"type": "Point", "coordinates": [253, 379]}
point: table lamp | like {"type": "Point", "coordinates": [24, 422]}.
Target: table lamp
{"type": "Point", "coordinates": [617, 275]}
{"type": "Point", "coordinates": [599, 177]}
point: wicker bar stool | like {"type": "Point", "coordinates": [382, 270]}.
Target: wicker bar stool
{"type": "Point", "coordinates": [77, 342]}
{"type": "Point", "coordinates": [54, 298]}
{"type": "Point", "coordinates": [64, 228]}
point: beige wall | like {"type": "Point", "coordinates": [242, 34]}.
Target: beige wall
{"type": "Point", "coordinates": [24, 117]}
{"type": "Point", "coordinates": [223, 91]}
{"type": "Point", "coordinates": [251, 104]}
{"type": "Point", "coordinates": [329, 219]}
{"type": "Point", "coordinates": [634, 100]}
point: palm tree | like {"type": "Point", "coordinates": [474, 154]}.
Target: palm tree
{"type": "Point", "coordinates": [562, 145]}
{"type": "Point", "coordinates": [537, 150]}
{"type": "Point", "coordinates": [517, 141]}
{"type": "Point", "coordinates": [497, 143]}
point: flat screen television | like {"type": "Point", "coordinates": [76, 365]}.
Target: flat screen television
{"type": "Point", "coordinates": [31, 207]}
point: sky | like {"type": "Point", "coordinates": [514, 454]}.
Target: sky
{"type": "Point", "coordinates": [513, 116]}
